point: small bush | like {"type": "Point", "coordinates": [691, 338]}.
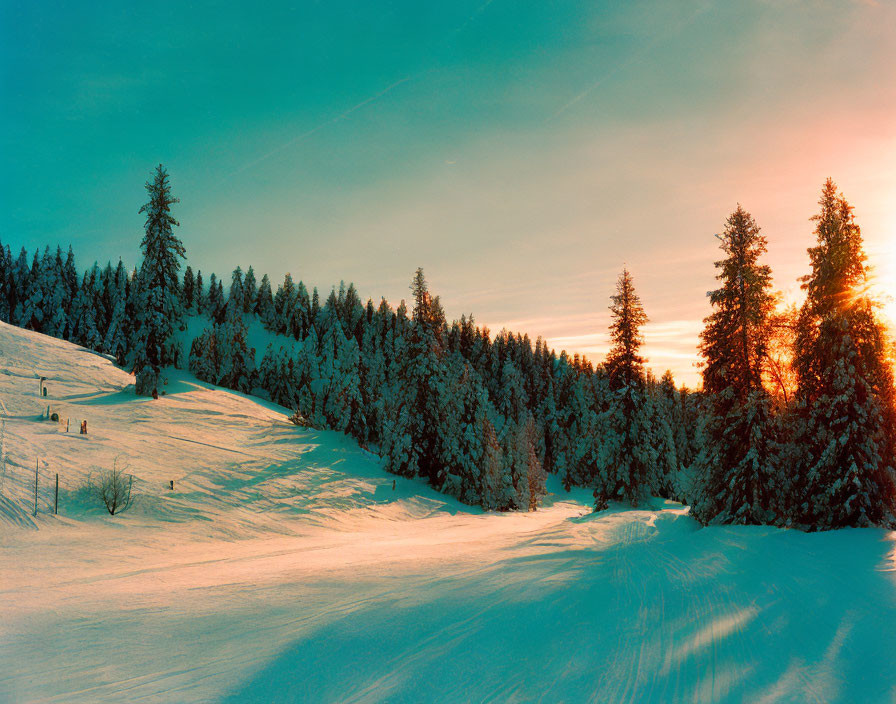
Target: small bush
{"type": "Point", "coordinates": [113, 488]}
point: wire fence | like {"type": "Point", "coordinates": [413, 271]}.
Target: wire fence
{"type": "Point", "coordinates": [33, 485]}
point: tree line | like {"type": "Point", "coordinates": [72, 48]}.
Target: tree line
{"type": "Point", "coordinates": [794, 425]}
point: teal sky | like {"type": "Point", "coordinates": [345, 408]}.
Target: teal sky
{"type": "Point", "coordinates": [521, 152]}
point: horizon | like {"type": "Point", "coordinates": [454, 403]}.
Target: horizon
{"type": "Point", "coordinates": [521, 155]}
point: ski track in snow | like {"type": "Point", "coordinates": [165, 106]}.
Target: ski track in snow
{"type": "Point", "coordinates": [283, 567]}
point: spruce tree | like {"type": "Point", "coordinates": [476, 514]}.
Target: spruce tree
{"type": "Point", "coordinates": [199, 294]}
{"type": "Point", "coordinates": [30, 312]}
{"type": "Point", "coordinates": [736, 471]}
{"type": "Point", "coordinates": [188, 290]}
{"type": "Point", "coordinates": [250, 291]}
{"type": "Point", "coordinates": [158, 307]}
{"type": "Point", "coordinates": [845, 441]}
{"type": "Point", "coordinates": [627, 457]}
{"type": "Point", "coordinates": [264, 306]}
{"type": "Point", "coordinates": [21, 278]}
{"type": "Point", "coordinates": [214, 301]}
{"type": "Point", "coordinates": [236, 298]}
{"type": "Point", "coordinates": [70, 278]}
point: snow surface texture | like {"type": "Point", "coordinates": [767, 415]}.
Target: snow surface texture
{"type": "Point", "coordinates": [283, 567]}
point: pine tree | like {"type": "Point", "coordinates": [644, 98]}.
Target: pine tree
{"type": "Point", "coordinates": [250, 291]}
{"type": "Point", "coordinates": [55, 318]}
{"type": "Point", "coordinates": [30, 312]}
{"type": "Point", "coordinates": [199, 294]}
{"type": "Point", "coordinates": [284, 304]}
{"type": "Point", "coordinates": [70, 279]}
{"type": "Point", "coordinates": [214, 301]}
{"type": "Point", "coordinates": [264, 306]}
{"type": "Point", "coordinates": [737, 470]}
{"type": "Point", "coordinates": [21, 279]}
{"type": "Point", "coordinates": [532, 487]}
{"type": "Point", "coordinates": [158, 307]}
{"type": "Point", "coordinates": [418, 379]}
{"type": "Point", "coordinates": [462, 452]}
{"type": "Point", "coordinates": [115, 342]}
{"type": "Point", "coordinates": [278, 375]}
{"type": "Point", "coordinates": [496, 492]}
{"type": "Point", "coordinates": [236, 299]}
{"type": "Point", "coordinates": [84, 328]}
{"type": "Point", "coordinates": [845, 441]}
{"type": "Point", "coordinates": [188, 291]}
{"type": "Point", "coordinates": [627, 457]}
{"type": "Point", "coordinates": [663, 402]}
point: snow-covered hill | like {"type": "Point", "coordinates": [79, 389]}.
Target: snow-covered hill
{"type": "Point", "coordinates": [284, 567]}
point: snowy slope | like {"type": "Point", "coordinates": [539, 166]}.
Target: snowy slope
{"type": "Point", "coordinates": [283, 567]}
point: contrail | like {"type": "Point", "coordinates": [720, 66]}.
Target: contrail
{"type": "Point", "coordinates": [634, 56]}
{"type": "Point", "coordinates": [299, 138]}
{"type": "Point", "coordinates": [322, 125]}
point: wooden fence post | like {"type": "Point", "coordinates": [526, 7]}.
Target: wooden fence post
{"type": "Point", "coordinates": [56, 500]}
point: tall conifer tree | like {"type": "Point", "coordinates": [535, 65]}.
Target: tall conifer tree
{"type": "Point", "coordinates": [737, 463]}
{"type": "Point", "coordinates": [158, 307]}
{"type": "Point", "coordinates": [845, 384]}
{"type": "Point", "coordinates": [627, 457]}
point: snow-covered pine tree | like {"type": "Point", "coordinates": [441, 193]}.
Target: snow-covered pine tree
{"type": "Point", "coordinates": [627, 457]}
{"type": "Point", "coordinates": [84, 327]}
{"type": "Point", "coordinates": [284, 303]}
{"type": "Point", "coordinates": [55, 316]}
{"type": "Point", "coordinates": [236, 298]}
{"type": "Point", "coordinates": [250, 291]}
{"type": "Point", "coordinates": [220, 302]}
{"type": "Point", "coordinates": [30, 312]}
{"type": "Point", "coordinates": [533, 489]}
{"type": "Point", "coordinates": [496, 493]}
{"type": "Point", "coordinates": [347, 387]}
{"type": "Point", "coordinates": [105, 293]}
{"type": "Point", "coordinates": [70, 280]}
{"type": "Point", "coordinates": [238, 359]}
{"type": "Point", "coordinates": [21, 281]}
{"type": "Point", "coordinates": [199, 301]}
{"type": "Point", "coordinates": [411, 444]}
{"type": "Point", "coordinates": [115, 340]}
{"type": "Point", "coordinates": [264, 305]}
{"type": "Point", "coordinates": [585, 432]}
{"type": "Point", "coordinates": [278, 376]}
{"type": "Point", "coordinates": [462, 451]}
{"type": "Point", "coordinates": [845, 395]}
{"type": "Point", "coordinates": [214, 300]}
{"type": "Point", "coordinates": [683, 428]}
{"type": "Point", "coordinates": [339, 380]}
{"type": "Point", "coordinates": [560, 441]}
{"type": "Point", "coordinates": [158, 309]}
{"type": "Point", "coordinates": [188, 290]}
{"type": "Point", "coordinates": [661, 400]}
{"type": "Point", "coordinates": [300, 319]}
{"type": "Point", "coordinates": [736, 475]}
{"type": "Point", "coordinates": [205, 357]}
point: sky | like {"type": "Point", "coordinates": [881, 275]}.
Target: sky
{"type": "Point", "coordinates": [521, 151]}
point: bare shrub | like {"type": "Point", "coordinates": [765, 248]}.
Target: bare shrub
{"type": "Point", "coordinates": [113, 487]}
